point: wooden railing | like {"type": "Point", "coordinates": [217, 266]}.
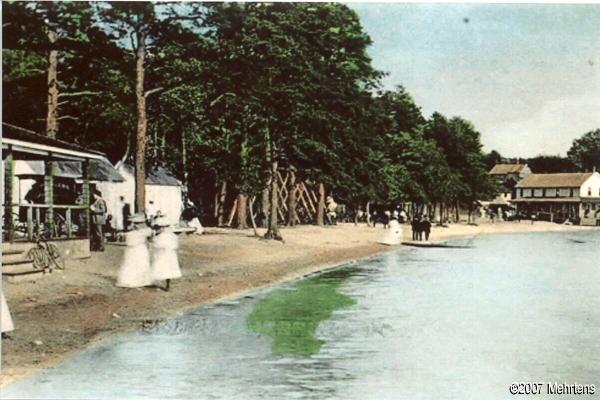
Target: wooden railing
{"type": "Point", "coordinates": [45, 220]}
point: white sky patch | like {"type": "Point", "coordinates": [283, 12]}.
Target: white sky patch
{"type": "Point", "coordinates": [550, 131]}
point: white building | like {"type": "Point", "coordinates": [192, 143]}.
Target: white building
{"type": "Point", "coordinates": [161, 187]}
{"type": "Point", "coordinates": [559, 196]}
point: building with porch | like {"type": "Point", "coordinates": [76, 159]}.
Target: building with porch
{"type": "Point", "coordinates": [60, 220]}
{"type": "Point", "coordinates": [562, 196]}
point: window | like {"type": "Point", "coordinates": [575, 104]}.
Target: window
{"type": "Point", "coordinates": [571, 192]}
{"type": "Point", "coordinates": [520, 192]}
{"type": "Point", "coordinates": [543, 192]}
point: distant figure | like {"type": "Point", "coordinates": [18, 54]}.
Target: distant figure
{"type": "Point", "coordinates": [109, 230]}
{"type": "Point", "coordinates": [403, 216]}
{"type": "Point", "coordinates": [135, 268]}
{"type": "Point", "coordinates": [119, 222]}
{"type": "Point", "coordinates": [425, 227]}
{"type": "Point", "coordinates": [331, 207]}
{"type": "Point", "coordinates": [98, 209]}
{"type": "Point", "coordinates": [392, 236]}
{"type": "Point", "coordinates": [6, 321]}
{"type": "Point", "coordinates": [151, 212]}
{"type": "Point", "coordinates": [165, 264]}
{"type": "Point", "coordinates": [415, 228]}
{"type": "Point", "coordinates": [533, 218]}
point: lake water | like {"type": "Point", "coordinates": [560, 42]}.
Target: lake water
{"type": "Point", "coordinates": [437, 323]}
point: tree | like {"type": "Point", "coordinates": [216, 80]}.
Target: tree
{"type": "Point", "coordinates": [492, 158]}
{"type": "Point", "coordinates": [551, 164]}
{"type": "Point", "coordinates": [585, 151]}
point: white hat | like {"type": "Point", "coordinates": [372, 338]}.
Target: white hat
{"type": "Point", "coordinates": [161, 221]}
{"type": "Point", "coordinates": [137, 218]}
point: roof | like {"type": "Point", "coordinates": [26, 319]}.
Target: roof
{"type": "Point", "coordinates": [547, 200]}
{"type": "Point", "coordinates": [562, 180]}
{"type": "Point", "coordinates": [32, 143]}
{"type": "Point", "coordinates": [157, 175]}
{"type": "Point", "coordinates": [101, 170]}
{"type": "Point", "coordinates": [503, 169]}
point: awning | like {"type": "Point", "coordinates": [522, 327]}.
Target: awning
{"type": "Point", "coordinates": [28, 145]}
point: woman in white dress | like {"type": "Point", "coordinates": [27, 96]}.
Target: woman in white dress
{"type": "Point", "coordinates": [5, 319]}
{"type": "Point", "coordinates": [393, 235]}
{"type": "Point", "coordinates": [135, 268]}
{"type": "Point", "coordinates": [165, 265]}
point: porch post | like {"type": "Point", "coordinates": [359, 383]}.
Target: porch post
{"type": "Point", "coordinates": [49, 194]}
{"type": "Point", "coordinates": [85, 195]}
{"type": "Point", "coordinates": [8, 194]}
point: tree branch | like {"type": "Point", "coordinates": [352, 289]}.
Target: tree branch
{"type": "Point", "coordinates": [77, 94]}
{"type": "Point", "coordinates": [215, 101]}
{"type": "Point", "coordinates": [152, 91]}
{"type": "Point", "coordinates": [68, 117]}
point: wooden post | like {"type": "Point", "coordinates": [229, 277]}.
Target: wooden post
{"type": "Point", "coordinates": [68, 220]}
{"type": "Point", "coordinates": [8, 194]}
{"type": "Point", "coordinates": [49, 194]}
{"type": "Point", "coordinates": [86, 198]}
{"type": "Point", "coordinates": [321, 206]}
{"type": "Point", "coordinates": [30, 223]}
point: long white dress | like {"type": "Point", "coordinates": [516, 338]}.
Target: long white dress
{"type": "Point", "coordinates": [393, 235]}
{"type": "Point", "coordinates": [5, 319]}
{"type": "Point", "coordinates": [165, 264]}
{"type": "Point", "coordinates": [135, 268]}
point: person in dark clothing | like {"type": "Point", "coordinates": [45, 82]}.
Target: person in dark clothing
{"type": "Point", "coordinates": [126, 210]}
{"type": "Point", "coordinates": [414, 224]}
{"type": "Point", "coordinates": [426, 227]}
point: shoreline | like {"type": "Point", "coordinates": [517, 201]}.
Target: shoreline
{"type": "Point", "coordinates": [82, 307]}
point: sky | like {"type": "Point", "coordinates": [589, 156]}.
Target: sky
{"type": "Point", "coordinates": [527, 75]}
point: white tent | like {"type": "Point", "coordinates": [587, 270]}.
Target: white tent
{"type": "Point", "coordinates": [161, 187]}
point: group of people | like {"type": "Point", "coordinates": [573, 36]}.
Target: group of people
{"type": "Point", "coordinates": [421, 228]}
{"type": "Point", "coordinates": [140, 266]}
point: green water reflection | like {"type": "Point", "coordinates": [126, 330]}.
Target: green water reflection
{"type": "Point", "coordinates": [291, 317]}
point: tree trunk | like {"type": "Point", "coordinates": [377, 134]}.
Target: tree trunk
{"type": "Point", "coordinates": [184, 165]}
{"type": "Point", "coordinates": [273, 229]}
{"type": "Point", "coordinates": [264, 207]}
{"type": "Point", "coordinates": [457, 212]}
{"type": "Point", "coordinates": [368, 211]}
{"type": "Point", "coordinates": [141, 138]}
{"type": "Point", "coordinates": [52, 118]}
{"type": "Point", "coordinates": [321, 206]}
{"type": "Point", "coordinates": [251, 208]}
{"type": "Point", "coordinates": [221, 204]}
{"type": "Point", "coordinates": [241, 211]}
{"type": "Point", "coordinates": [292, 198]}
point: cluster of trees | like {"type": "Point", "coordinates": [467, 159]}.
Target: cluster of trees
{"type": "Point", "coordinates": [227, 94]}
{"type": "Point", "coordinates": [584, 155]}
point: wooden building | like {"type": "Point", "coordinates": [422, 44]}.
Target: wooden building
{"type": "Point", "coordinates": [562, 196]}
{"type": "Point", "coordinates": [67, 224]}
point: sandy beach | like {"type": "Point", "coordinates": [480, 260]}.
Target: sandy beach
{"type": "Point", "coordinates": [67, 310]}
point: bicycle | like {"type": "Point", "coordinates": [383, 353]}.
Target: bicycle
{"type": "Point", "coordinates": [46, 256]}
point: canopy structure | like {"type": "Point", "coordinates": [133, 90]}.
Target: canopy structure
{"type": "Point", "coordinates": [48, 157]}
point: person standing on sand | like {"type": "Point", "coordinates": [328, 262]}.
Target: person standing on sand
{"type": "Point", "coordinates": [6, 320]}
{"type": "Point", "coordinates": [165, 265]}
{"type": "Point", "coordinates": [135, 268]}
{"type": "Point", "coordinates": [98, 209]}
{"type": "Point", "coordinates": [426, 227]}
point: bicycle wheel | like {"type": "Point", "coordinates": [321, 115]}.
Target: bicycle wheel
{"type": "Point", "coordinates": [55, 257]}
{"type": "Point", "coordinates": [38, 257]}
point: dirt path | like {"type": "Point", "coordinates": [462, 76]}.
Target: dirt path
{"type": "Point", "coordinates": [64, 312]}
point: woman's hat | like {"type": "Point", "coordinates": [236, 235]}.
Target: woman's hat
{"type": "Point", "coordinates": [137, 218]}
{"type": "Point", "coordinates": [161, 221]}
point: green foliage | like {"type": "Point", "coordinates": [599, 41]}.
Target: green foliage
{"type": "Point", "coordinates": [585, 151]}
{"type": "Point", "coordinates": [231, 87]}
